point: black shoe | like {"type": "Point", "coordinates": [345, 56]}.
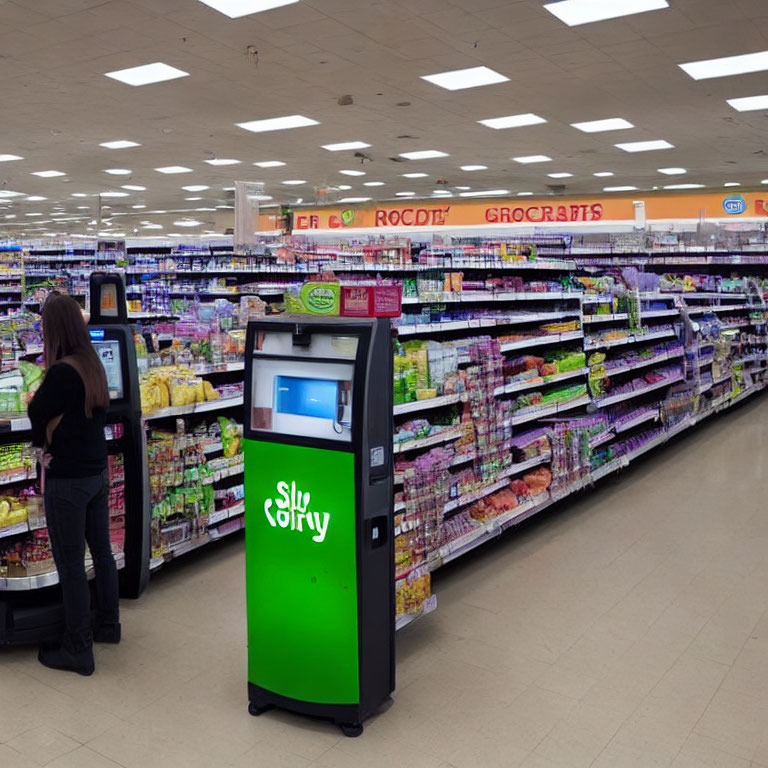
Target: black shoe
{"type": "Point", "coordinates": [60, 658]}
{"type": "Point", "coordinates": [107, 633]}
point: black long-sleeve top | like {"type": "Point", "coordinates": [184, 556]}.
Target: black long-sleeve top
{"type": "Point", "coordinates": [78, 447]}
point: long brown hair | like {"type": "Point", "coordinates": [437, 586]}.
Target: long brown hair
{"type": "Point", "coordinates": [66, 338]}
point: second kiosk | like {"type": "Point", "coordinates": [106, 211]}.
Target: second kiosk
{"type": "Point", "coordinates": [318, 494]}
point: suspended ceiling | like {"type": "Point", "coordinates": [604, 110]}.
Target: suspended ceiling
{"type": "Point", "coordinates": [303, 58]}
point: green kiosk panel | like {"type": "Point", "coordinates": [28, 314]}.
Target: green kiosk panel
{"type": "Point", "coordinates": [318, 494]}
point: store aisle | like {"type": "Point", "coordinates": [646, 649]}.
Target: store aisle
{"type": "Point", "coordinates": [629, 629]}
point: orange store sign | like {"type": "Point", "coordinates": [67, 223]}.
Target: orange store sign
{"type": "Point", "coordinates": [562, 210]}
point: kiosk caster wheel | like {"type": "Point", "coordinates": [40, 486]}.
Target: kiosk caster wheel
{"type": "Point", "coordinates": [255, 710]}
{"type": "Point", "coordinates": [351, 730]}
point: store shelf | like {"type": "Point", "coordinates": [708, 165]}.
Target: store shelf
{"type": "Point", "coordinates": [14, 530]}
{"type": "Point", "coordinates": [475, 296]}
{"type": "Point", "coordinates": [520, 386]}
{"type": "Point", "coordinates": [226, 513]}
{"type": "Point", "coordinates": [644, 363]}
{"type": "Point", "coordinates": [473, 496]}
{"type": "Point", "coordinates": [705, 310]}
{"type": "Point", "coordinates": [591, 344]}
{"type": "Point", "coordinates": [540, 413]}
{"type": "Point", "coordinates": [50, 579]}
{"type": "Point", "coordinates": [538, 341]}
{"type": "Point", "coordinates": [401, 622]}
{"type": "Point", "coordinates": [15, 423]}
{"type": "Point", "coordinates": [444, 436]}
{"type": "Point", "coordinates": [460, 325]}
{"type": "Point", "coordinates": [17, 476]}
{"type": "Point", "coordinates": [425, 405]}
{"type": "Point", "coordinates": [204, 370]}
{"type": "Point", "coordinates": [213, 448]}
{"type": "Point", "coordinates": [632, 423]}
{"type": "Point", "coordinates": [185, 410]}
{"type": "Point", "coordinates": [603, 402]}
{"type": "Point", "coordinates": [659, 313]}
{"type": "Point", "coordinates": [605, 318]}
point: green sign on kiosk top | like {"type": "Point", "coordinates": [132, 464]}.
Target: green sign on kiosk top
{"type": "Point", "coordinates": [302, 572]}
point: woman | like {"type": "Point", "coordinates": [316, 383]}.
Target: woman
{"type": "Point", "coordinates": [68, 414]}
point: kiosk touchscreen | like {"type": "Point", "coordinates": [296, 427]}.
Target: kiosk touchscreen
{"type": "Point", "coordinates": [318, 495]}
{"type": "Point", "coordinates": [112, 339]}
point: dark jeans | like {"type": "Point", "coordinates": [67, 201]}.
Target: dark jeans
{"type": "Point", "coordinates": [77, 510]}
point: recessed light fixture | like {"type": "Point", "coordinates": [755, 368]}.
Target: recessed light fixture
{"type": "Point", "coordinates": [193, 198]}
{"type": "Point", "coordinates": [36, 199]}
{"type": "Point", "coordinates": [227, 189]}
{"type": "Point", "coordinates": [525, 194]}
{"type": "Point", "coordinates": [79, 194]}
{"type": "Point", "coordinates": [353, 173]}
{"type": "Point", "coordinates": [684, 186]}
{"type": "Point", "coordinates": [474, 167]}
{"type": "Point", "coordinates": [598, 126]}
{"type": "Point", "coordinates": [645, 146]}
{"type": "Point", "coordinates": [747, 104]}
{"type": "Point", "coordinates": [346, 145]}
{"type": "Point", "coordinates": [294, 182]}
{"type": "Point", "coordinates": [134, 187]}
{"type": "Point", "coordinates": [415, 175]}
{"type": "Point", "coordinates": [463, 189]}
{"type": "Point", "coordinates": [236, 9]}
{"type": "Point", "coordinates": [512, 121]}
{"type": "Point", "coordinates": [33, 214]}
{"type": "Point", "coordinates": [727, 66]}
{"type": "Point", "coordinates": [672, 171]}
{"type": "Point", "coordinates": [47, 174]}
{"type": "Point", "coordinates": [136, 207]}
{"type": "Point", "coordinates": [151, 226]}
{"type": "Point", "coordinates": [424, 154]}
{"type": "Point", "coordinates": [486, 193]}
{"type": "Point", "coordinates": [619, 189]}
{"type": "Point", "coordinates": [8, 158]}
{"type": "Point", "coordinates": [259, 198]}
{"type": "Point", "coordinates": [223, 161]}
{"type": "Point", "coordinates": [195, 188]}
{"type": "Point", "coordinates": [147, 74]}
{"type": "Point", "coordinates": [270, 164]}
{"type": "Point", "coordinates": [118, 171]}
{"type": "Point", "coordinates": [86, 207]}
{"type": "Point", "coordinates": [458, 79]}
{"type": "Point", "coordinates": [764, 181]}
{"type": "Point", "coordinates": [603, 174]}
{"type": "Point", "coordinates": [187, 223]}
{"type": "Point", "coordinates": [6, 193]}
{"type": "Point", "coordinates": [559, 175]}
{"type": "Point", "coordinates": [115, 194]}
{"type": "Point", "coordinates": [575, 12]}
{"type": "Point", "coordinates": [732, 184]}
{"type": "Point", "coordinates": [528, 159]}
{"type": "Point", "coordinates": [344, 187]}
{"type": "Point", "coordinates": [120, 144]}
{"type": "Point", "coordinates": [277, 124]}
{"type": "Point", "coordinates": [442, 193]}
{"type": "Point", "coordinates": [354, 199]}
{"type": "Point", "coordinates": [404, 194]}
{"type": "Point", "coordinates": [373, 184]}
{"type": "Point", "coordinates": [174, 169]}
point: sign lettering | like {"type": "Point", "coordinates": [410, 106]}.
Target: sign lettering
{"type": "Point", "coordinates": [293, 511]}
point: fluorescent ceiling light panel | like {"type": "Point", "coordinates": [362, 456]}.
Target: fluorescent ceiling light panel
{"type": "Point", "coordinates": [147, 74]}
{"type": "Point", "coordinates": [619, 189]}
{"type": "Point", "coordinates": [459, 79]}
{"type": "Point", "coordinates": [747, 104]}
{"type": "Point", "coordinates": [732, 184]}
{"type": "Point", "coordinates": [443, 193]}
{"type": "Point", "coordinates": [8, 158]}
{"type": "Point", "coordinates": [195, 188]}
{"type": "Point", "coordinates": [115, 194]}
{"type": "Point", "coordinates": [294, 182]}
{"type": "Point", "coordinates": [559, 175]}
{"type": "Point", "coordinates": [424, 154]}
{"type": "Point", "coordinates": [193, 198]}
{"type": "Point", "coordinates": [672, 171]}
{"type": "Point", "coordinates": [604, 174]}
{"type": "Point", "coordinates": [346, 145]}
{"type": "Point", "coordinates": [373, 184]}
{"type": "Point", "coordinates": [415, 175]}
{"type": "Point", "coordinates": [598, 126]}
{"type": "Point", "coordinates": [486, 193]}
{"type": "Point", "coordinates": [474, 167]}
{"type": "Point", "coordinates": [134, 187]}
{"type": "Point", "coordinates": [404, 194]}
{"type": "Point", "coordinates": [684, 186]}
{"type": "Point", "coordinates": [344, 187]}
{"type": "Point", "coordinates": [463, 189]}
{"type": "Point", "coordinates": [36, 199]}
{"type": "Point", "coordinates": [277, 124]}
{"type": "Point", "coordinates": [118, 171]}
{"type": "Point", "coordinates": [353, 173]}
{"type": "Point", "coordinates": [187, 223]}
{"type": "Point", "coordinates": [223, 161]}
{"type": "Point", "coordinates": [47, 174]}
{"type": "Point", "coordinates": [121, 144]}
{"type": "Point", "coordinates": [528, 159]}
{"type": "Point", "coordinates": [645, 146]}
{"type": "Point", "coordinates": [575, 12]}
{"type": "Point", "coordinates": [728, 66]}
{"type": "Point", "coordinates": [269, 164]}
{"type": "Point", "coordinates": [236, 9]}
{"type": "Point", "coordinates": [512, 121]}
{"type": "Point", "coordinates": [174, 169]}
{"type": "Point", "coordinates": [525, 194]}
{"type": "Point", "coordinates": [137, 207]}
{"type": "Point", "coordinates": [354, 199]}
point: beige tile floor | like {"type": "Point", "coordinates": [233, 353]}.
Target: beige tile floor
{"type": "Point", "coordinates": [626, 630]}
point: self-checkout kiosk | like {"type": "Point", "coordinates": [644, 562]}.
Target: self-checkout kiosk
{"type": "Point", "coordinates": [112, 337]}
{"type": "Point", "coordinates": [319, 530]}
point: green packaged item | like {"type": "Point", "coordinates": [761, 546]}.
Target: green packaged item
{"type": "Point", "coordinates": [314, 298]}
